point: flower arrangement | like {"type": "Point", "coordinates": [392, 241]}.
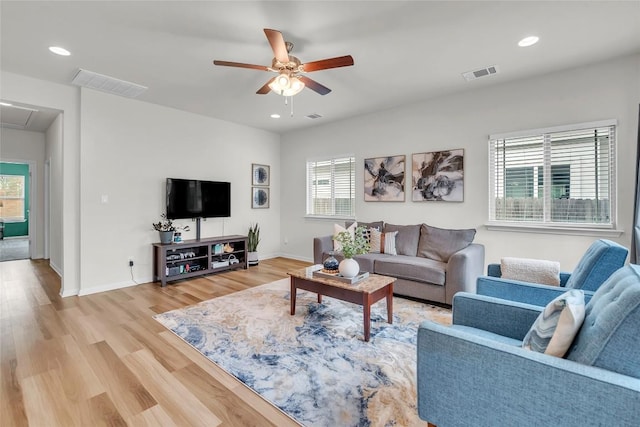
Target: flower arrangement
{"type": "Point", "coordinates": [165, 224]}
{"type": "Point", "coordinates": [353, 245]}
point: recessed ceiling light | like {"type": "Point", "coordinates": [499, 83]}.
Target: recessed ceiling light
{"type": "Point", "coordinates": [275, 116]}
{"type": "Point", "coordinates": [528, 41]}
{"type": "Point", "coordinates": [59, 50]}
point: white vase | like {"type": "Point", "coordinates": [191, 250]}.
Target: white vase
{"type": "Point", "coordinates": [349, 267]}
{"type": "Point", "coordinates": [252, 258]}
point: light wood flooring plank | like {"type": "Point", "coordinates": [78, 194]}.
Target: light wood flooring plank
{"type": "Point", "coordinates": [103, 360]}
{"type": "Point", "coordinates": [126, 392]}
{"type": "Point", "coordinates": [181, 405]}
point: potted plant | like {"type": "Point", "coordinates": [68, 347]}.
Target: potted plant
{"type": "Point", "coordinates": [166, 228]}
{"type": "Point", "coordinates": [252, 244]}
{"type": "Point", "coordinates": [352, 245]}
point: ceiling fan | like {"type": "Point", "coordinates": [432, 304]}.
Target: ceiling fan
{"type": "Point", "coordinates": [290, 79]}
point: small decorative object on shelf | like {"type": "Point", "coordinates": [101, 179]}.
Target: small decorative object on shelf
{"type": "Point", "coordinates": [330, 265]}
{"type": "Point", "coordinates": [166, 228]}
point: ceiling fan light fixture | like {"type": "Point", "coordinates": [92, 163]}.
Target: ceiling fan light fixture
{"type": "Point", "coordinates": [286, 85]}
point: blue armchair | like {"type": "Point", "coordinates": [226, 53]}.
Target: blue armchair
{"type": "Point", "coordinates": [476, 373]}
{"type": "Point", "coordinates": [598, 263]}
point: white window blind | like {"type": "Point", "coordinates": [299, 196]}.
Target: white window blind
{"type": "Point", "coordinates": [559, 176]}
{"type": "Point", "coordinates": [331, 187]}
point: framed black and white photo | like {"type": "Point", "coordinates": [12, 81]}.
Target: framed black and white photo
{"type": "Point", "coordinates": [438, 176]}
{"type": "Point", "coordinates": [259, 197]}
{"type": "Point", "coordinates": [384, 179]}
{"type": "Point", "coordinates": [260, 174]}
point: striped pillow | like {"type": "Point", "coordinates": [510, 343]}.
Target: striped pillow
{"type": "Point", "coordinates": [382, 242]}
{"type": "Point", "coordinates": [558, 324]}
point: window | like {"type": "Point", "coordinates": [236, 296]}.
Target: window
{"type": "Point", "coordinates": [331, 187]}
{"type": "Point", "coordinates": [12, 197]}
{"type": "Point", "coordinates": [554, 177]}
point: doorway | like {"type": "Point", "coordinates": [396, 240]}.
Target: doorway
{"type": "Point", "coordinates": [15, 210]}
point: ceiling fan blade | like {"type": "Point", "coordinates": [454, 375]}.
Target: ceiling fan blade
{"type": "Point", "coordinates": [324, 64]}
{"type": "Point", "coordinates": [265, 89]}
{"type": "Point", "coordinates": [277, 45]}
{"type": "Point", "coordinates": [314, 85]}
{"type": "Point", "coordinates": [240, 65]}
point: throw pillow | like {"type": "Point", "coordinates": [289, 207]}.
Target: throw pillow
{"type": "Point", "coordinates": [558, 324]}
{"type": "Point", "coordinates": [407, 238]}
{"type": "Point", "coordinates": [377, 225]}
{"type": "Point", "coordinates": [439, 243]}
{"type": "Point", "coordinates": [531, 270]}
{"type": "Point", "coordinates": [337, 228]}
{"type": "Point", "coordinates": [382, 242]}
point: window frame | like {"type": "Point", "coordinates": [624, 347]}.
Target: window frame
{"type": "Point", "coordinates": [546, 225]}
{"type": "Point", "coordinates": [22, 197]}
{"type": "Point", "coordinates": [309, 209]}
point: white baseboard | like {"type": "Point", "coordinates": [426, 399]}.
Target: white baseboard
{"type": "Point", "coordinates": [112, 286]}
{"type": "Point", "coordinates": [55, 268]}
{"type": "Point", "coordinates": [69, 293]}
{"type": "Point", "coordinates": [296, 257]}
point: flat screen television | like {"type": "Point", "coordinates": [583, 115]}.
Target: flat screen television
{"type": "Point", "coordinates": [191, 198]}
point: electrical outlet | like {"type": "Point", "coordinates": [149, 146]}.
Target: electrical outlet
{"type": "Point", "coordinates": [130, 263]}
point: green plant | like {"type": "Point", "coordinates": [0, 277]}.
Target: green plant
{"type": "Point", "coordinates": [165, 224]}
{"type": "Point", "coordinates": [254, 237]}
{"type": "Point", "coordinates": [353, 245]}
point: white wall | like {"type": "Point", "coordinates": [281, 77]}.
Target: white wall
{"type": "Point", "coordinates": [32, 91]}
{"type": "Point", "coordinates": [54, 154]}
{"type": "Point", "coordinates": [601, 91]}
{"type": "Point", "coordinates": [128, 150]}
{"type": "Point", "coordinates": [25, 146]}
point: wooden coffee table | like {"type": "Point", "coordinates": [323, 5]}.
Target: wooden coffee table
{"type": "Point", "coordinates": [365, 293]}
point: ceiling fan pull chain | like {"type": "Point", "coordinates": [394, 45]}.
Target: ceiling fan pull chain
{"type": "Point", "coordinates": [292, 106]}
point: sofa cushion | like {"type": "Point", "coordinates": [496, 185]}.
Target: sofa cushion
{"type": "Point", "coordinates": [531, 270]}
{"type": "Point", "coordinates": [367, 261]}
{"type": "Point", "coordinates": [608, 338]}
{"type": "Point", "coordinates": [556, 327]}
{"type": "Point", "coordinates": [412, 268]}
{"type": "Point", "coordinates": [407, 238]}
{"type": "Point", "coordinates": [440, 243]}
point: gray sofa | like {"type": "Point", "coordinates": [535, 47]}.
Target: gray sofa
{"type": "Point", "coordinates": [431, 263]}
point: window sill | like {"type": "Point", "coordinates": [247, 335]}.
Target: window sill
{"type": "Point", "coordinates": [329, 218]}
{"type": "Point", "coordinates": [554, 229]}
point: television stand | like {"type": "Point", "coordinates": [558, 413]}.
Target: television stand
{"type": "Point", "coordinates": [191, 258]}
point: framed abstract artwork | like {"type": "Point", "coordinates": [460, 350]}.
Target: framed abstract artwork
{"type": "Point", "coordinates": [438, 176]}
{"type": "Point", "coordinates": [384, 179]}
{"type": "Point", "coordinates": [260, 174]}
{"type": "Point", "coordinates": [259, 197]}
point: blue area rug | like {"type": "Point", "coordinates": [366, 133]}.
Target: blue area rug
{"type": "Point", "coordinates": [315, 365]}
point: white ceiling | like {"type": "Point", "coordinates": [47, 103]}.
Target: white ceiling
{"type": "Point", "coordinates": [404, 51]}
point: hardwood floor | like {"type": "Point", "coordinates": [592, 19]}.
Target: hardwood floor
{"type": "Point", "coordinates": [102, 360]}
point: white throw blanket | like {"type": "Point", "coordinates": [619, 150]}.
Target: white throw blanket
{"type": "Point", "coordinates": [531, 270]}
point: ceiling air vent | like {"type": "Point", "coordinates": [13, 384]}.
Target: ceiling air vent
{"type": "Point", "coordinates": [314, 116]}
{"type": "Point", "coordinates": [483, 72]}
{"type": "Point", "coordinates": [107, 84]}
